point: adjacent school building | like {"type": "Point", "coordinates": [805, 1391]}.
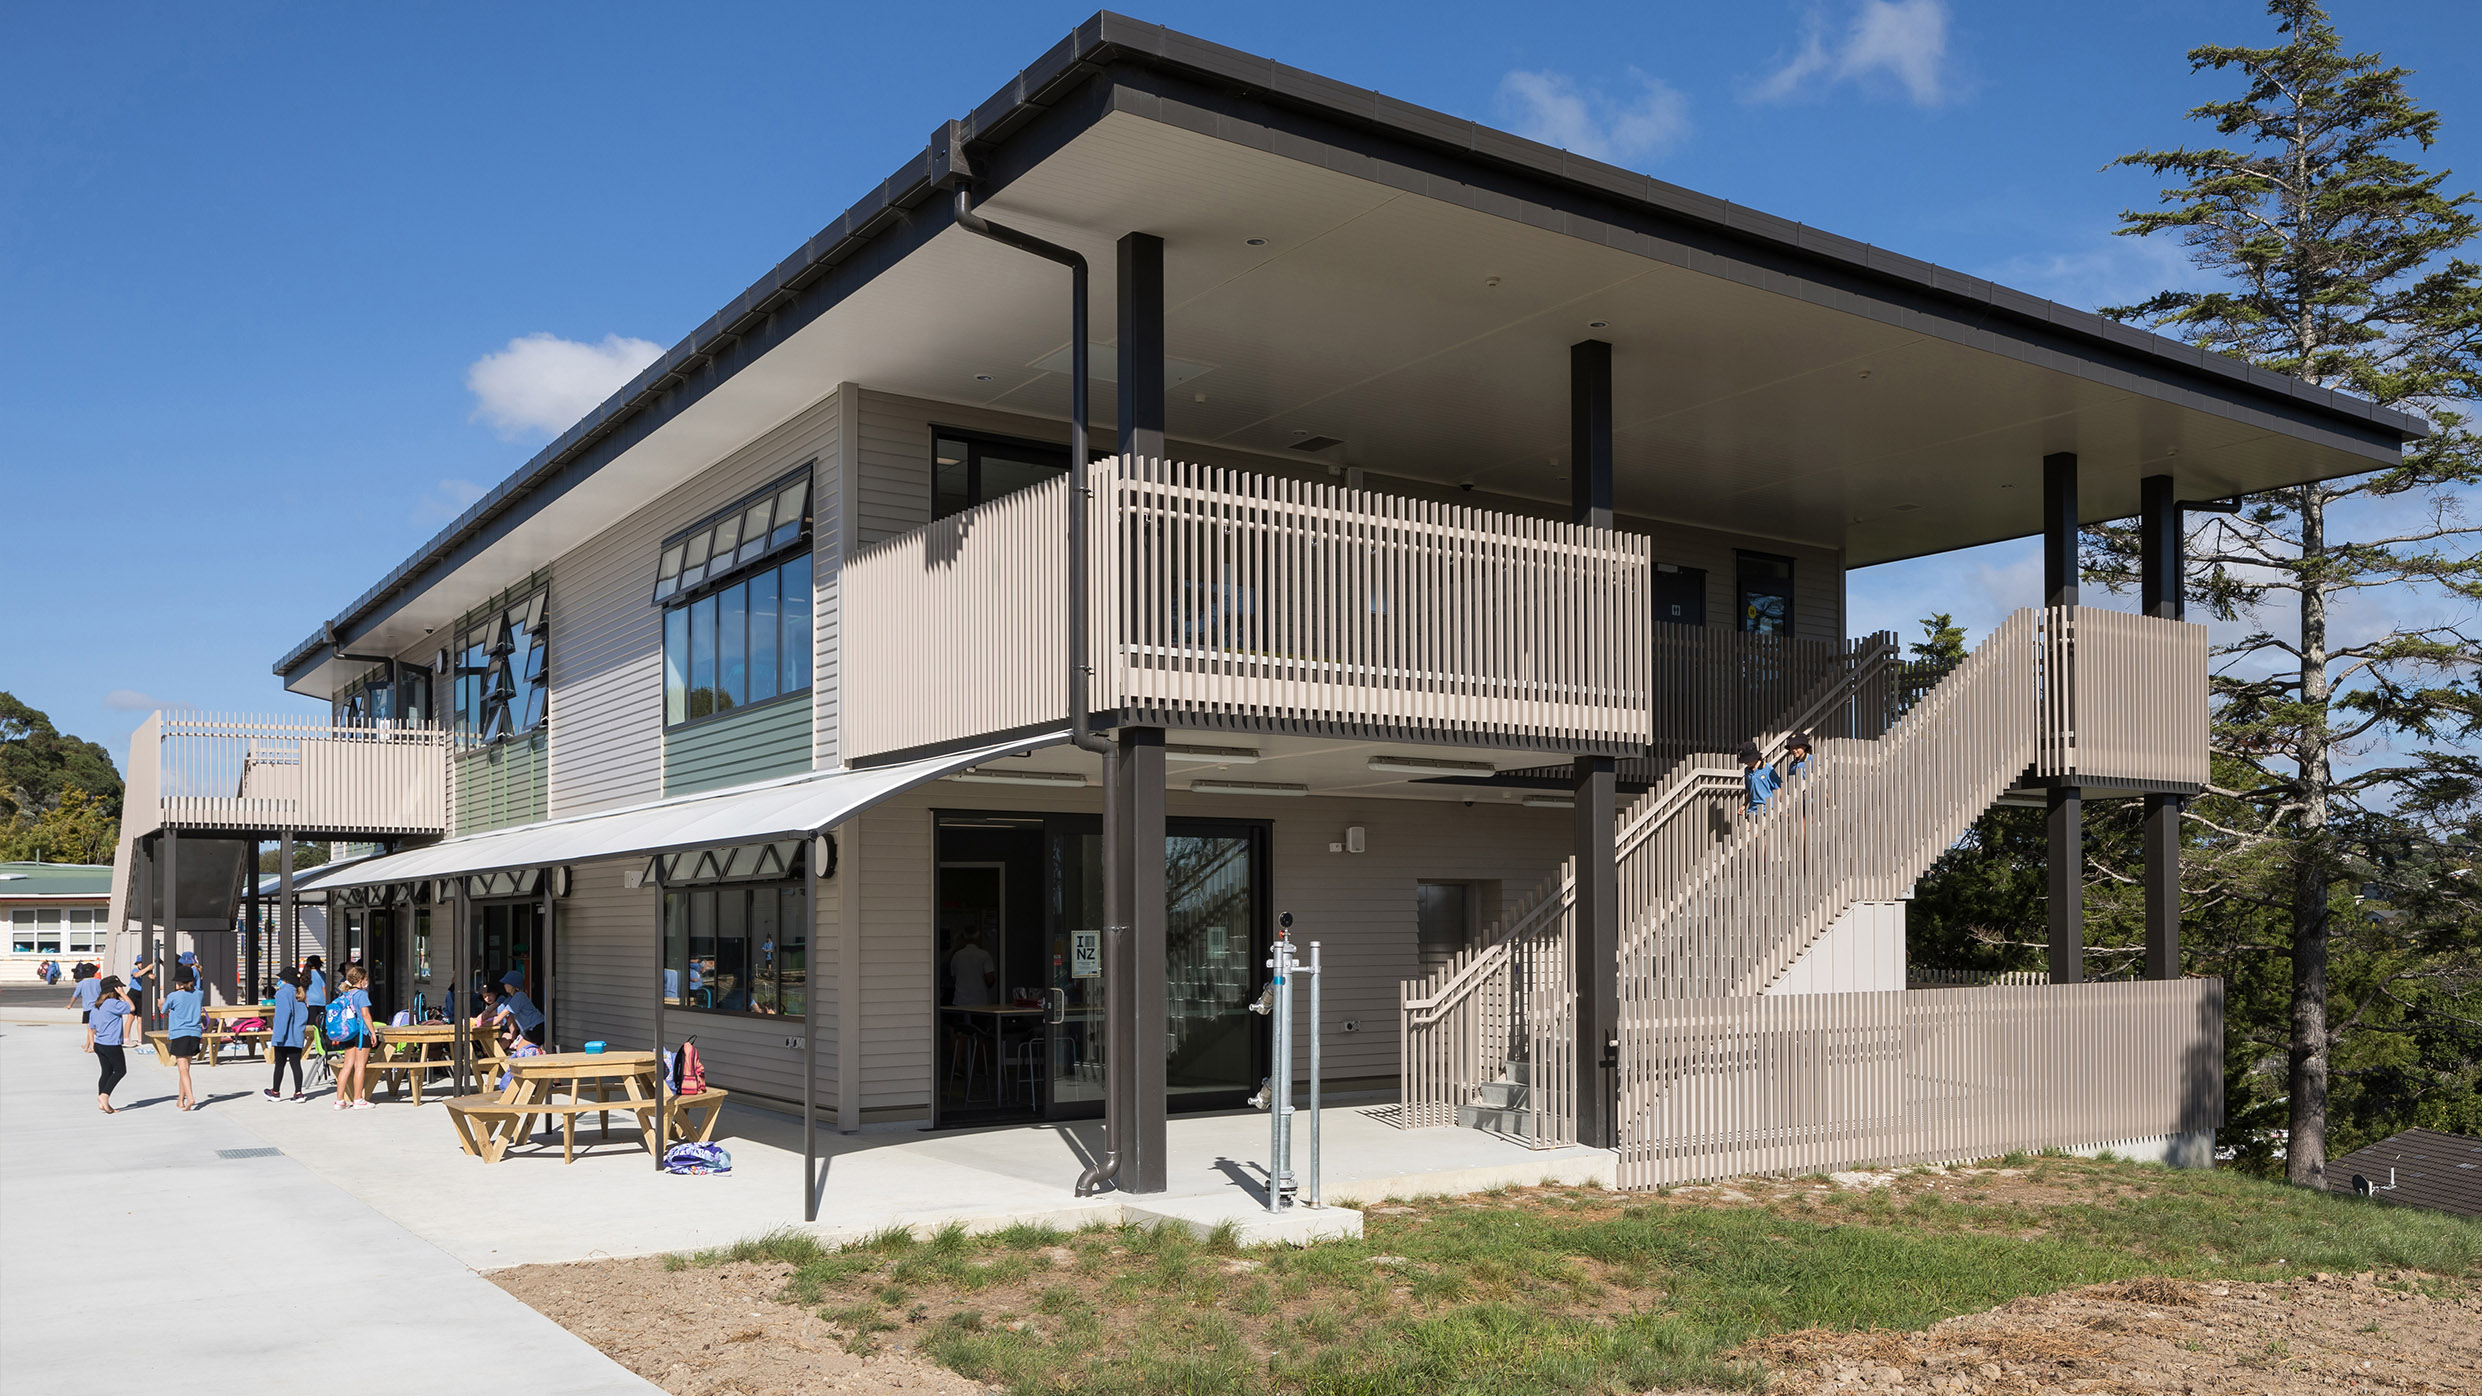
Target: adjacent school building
{"type": "Point", "coordinates": [1189, 491]}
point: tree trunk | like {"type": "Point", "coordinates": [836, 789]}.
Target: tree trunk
{"type": "Point", "coordinates": [2305, 1154]}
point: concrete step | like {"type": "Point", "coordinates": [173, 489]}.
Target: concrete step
{"type": "Point", "coordinates": [1518, 1071]}
{"type": "Point", "coordinates": [1501, 1094]}
{"type": "Point", "coordinates": [1498, 1120]}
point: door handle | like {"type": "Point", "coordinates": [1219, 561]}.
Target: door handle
{"type": "Point", "coordinates": [1056, 1006]}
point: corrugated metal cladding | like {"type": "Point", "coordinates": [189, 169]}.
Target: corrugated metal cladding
{"type": "Point", "coordinates": [894, 490]}
{"type": "Point", "coordinates": [607, 638]}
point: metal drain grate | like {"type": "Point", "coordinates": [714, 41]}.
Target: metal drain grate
{"type": "Point", "coordinates": [249, 1153]}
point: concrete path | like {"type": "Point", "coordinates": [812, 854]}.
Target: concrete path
{"type": "Point", "coordinates": [134, 1246]}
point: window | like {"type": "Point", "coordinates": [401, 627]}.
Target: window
{"type": "Point", "coordinates": [967, 469]}
{"type": "Point", "coordinates": [86, 925]}
{"type": "Point", "coordinates": [745, 644]}
{"type": "Point", "coordinates": [499, 669]}
{"type": "Point", "coordinates": [21, 930]}
{"type": "Point", "coordinates": [1766, 586]}
{"type": "Point", "coordinates": [708, 553]}
{"type": "Point", "coordinates": [372, 699]}
{"type": "Point", "coordinates": [737, 949]}
{"type": "Point", "coordinates": [47, 922]}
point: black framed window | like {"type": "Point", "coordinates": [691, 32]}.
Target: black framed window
{"type": "Point", "coordinates": [738, 948]}
{"type": "Point", "coordinates": [968, 468]}
{"type": "Point", "coordinates": [736, 592]}
{"type": "Point", "coordinates": [498, 669]}
{"type": "Point", "coordinates": [746, 643]}
{"type": "Point", "coordinates": [1766, 592]}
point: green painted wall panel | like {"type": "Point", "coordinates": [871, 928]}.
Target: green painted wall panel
{"type": "Point", "coordinates": [769, 740]}
{"type": "Point", "coordinates": [503, 784]}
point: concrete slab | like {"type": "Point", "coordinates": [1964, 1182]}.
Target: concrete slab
{"type": "Point", "coordinates": [167, 1241]}
{"type": "Point", "coordinates": [531, 1208]}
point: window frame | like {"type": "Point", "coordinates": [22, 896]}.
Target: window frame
{"type": "Point", "coordinates": [506, 693]}
{"type": "Point", "coordinates": [699, 539]}
{"type": "Point", "coordinates": [1741, 592]}
{"type": "Point", "coordinates": [976, 443]}
{"type": "Point", "coordinates": [690, 923]}
{"type": "Point", "coordinates": [700, 616]}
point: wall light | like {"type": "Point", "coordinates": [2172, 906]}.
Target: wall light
{"type": "Point", "coordinates": [1550, 802]}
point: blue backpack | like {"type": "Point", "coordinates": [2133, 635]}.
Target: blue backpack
{"type": "Point", "coordinates": [343, 1025]}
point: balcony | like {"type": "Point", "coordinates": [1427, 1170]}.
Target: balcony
{"type": "Point", "coordinates": [267, 774]}
{"type": "Point", "coordinates": [1225, 600]}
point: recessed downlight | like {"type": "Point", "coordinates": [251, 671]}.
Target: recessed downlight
{"type": "Point", "coordinates": [982, 377]}
{"type": "Point", "coordinates": [972, 776]}
{"type": "Point", "coordinates": [1598, 324]}
{"type": "Point", "coordinates": [1255, 242]}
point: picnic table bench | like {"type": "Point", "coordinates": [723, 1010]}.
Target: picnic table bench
{"type": "Point", "coordinates": [598, 1083]}
{"type": "Point", "coordinates": [412, 1053]}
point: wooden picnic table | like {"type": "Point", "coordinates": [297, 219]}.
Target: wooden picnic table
{"type": "Point", "coordinates": [413, 1052]}
{"type": "Point", "coordinates": [597, 1083]}
{"type": "Point", "coordinates": [219, 1019]}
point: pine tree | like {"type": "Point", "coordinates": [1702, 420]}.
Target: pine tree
{"type": "Point", "coordinates": [2334, 258]}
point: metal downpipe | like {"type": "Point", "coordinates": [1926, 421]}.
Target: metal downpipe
{"type": "Point", "coordinates": [1081, 726]}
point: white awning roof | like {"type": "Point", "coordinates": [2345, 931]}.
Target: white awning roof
{"type": "Point", "coordinates": [785, 809]}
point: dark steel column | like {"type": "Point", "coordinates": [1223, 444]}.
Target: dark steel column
{"type": "Point", "coordinates": [663, 961]}
{"type": "Point", "coordinates": [1590, 433]}
{"type": "Point", "coordinates": [172, 915]}
{"type": "Point", "coordinates": [287, 911]}
{"type": "Point", "coordinates": [547, 960]}
{"type": "Point", "coordinates": [1598, 955]}
{"type": "Point", "coordinates": [2065, 809]}
{"type": "Point", "coordinates": [810, 1030]}
{"type": "Point", "coordinates": [1597, 946]}
{"type": "Point", "coordinates": [250, 933]}
{"type": "Point", "coordinates": [2162, 578]}
{"type": "Point", "coordinates": [1139, 996]}
{"type": "Point", "coordinates": [1140, 390]}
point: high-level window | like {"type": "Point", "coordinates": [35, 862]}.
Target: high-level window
{"type": "Point", "coordinates": [375, 699]}
{"type": "Point", "coordinates": [498, 668]}
{"type": "Point", "coordinates": [1766, 586]}
{"type": "Point", "coordinates": [736, 591]}
{"type": "Point", "coordinates": [967, 469]}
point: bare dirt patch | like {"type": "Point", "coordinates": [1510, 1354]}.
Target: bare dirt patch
{"type": "Point", "coordinates": [718, 1331]}
{"type": "Point", "coordinates": [2335, 1333]}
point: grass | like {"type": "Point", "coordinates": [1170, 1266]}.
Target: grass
{"type": "Point", "coordinates": [1570, 1290]}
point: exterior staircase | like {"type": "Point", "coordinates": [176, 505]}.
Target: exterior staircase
{"type": "Point", "coordinates": [1716, 905]}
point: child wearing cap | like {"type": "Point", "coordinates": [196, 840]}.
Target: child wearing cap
{"type": "Point", "coordinates": [104, 1025]}
{"type": "Point", "coordinates": [1758, 779]}
{"type": "Point", "coordinates": [518, 1009]}
{"type": "Point", "coordinates": [184, 1022]}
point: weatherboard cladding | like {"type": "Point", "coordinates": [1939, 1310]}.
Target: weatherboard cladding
{"type": "Point", "coordinates": [1479, 161]}
{"type": "Point", "coordinates": [607, 702]}
{"type": "Point", "coordinates": [758, 743]}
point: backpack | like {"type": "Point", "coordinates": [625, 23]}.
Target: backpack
{"type": "Point", "coordinates": [343, 1026]}
{"type": "Point", "coordinates": [689, 1075]}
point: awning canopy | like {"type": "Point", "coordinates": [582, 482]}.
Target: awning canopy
{"type": "Point", "coordinates": [785, 809]}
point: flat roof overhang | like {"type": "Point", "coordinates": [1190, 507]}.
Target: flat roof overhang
{"type": "Point", "coordinates": [1419, 282]}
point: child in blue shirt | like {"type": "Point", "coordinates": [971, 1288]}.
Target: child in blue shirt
{"type": "Point", "coordinates": [1757, 777]}
{"type": "Point", "coordinates": [103, 1038]}
{"type": "Point", "coordinates": [284, 1035]}
{"type": "Point", "coordinates": [353, 1085]}
{"type": "Point", "coordinates": [185, 1011]}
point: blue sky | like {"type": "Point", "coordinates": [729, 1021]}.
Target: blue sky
{"type": "Point", "coordinates": [287, 285]}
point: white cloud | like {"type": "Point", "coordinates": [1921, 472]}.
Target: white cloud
{"type": "Point", "coordinates": [1552, 108]}
{"type": "Point", "coordinates": [130, 700]}
{"type": "Point", "coordinates": [2105, 270]}
{"type": "Point", "coordinates": [446, 500]}
{"type": "Point", "coordinates": [1903, 41]}
{"type": "Point", "coordinates": [542, 383]}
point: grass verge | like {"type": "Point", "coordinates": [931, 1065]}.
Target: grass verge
{"type": "Point", "coordinates": [1552, 1290]}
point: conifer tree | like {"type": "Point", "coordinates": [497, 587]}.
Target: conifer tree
{"type": "Point", "coordinates": [2333, 257]}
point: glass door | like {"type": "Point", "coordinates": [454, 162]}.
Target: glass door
{"type": "Point", "coordinates": [1073, 1018]}
{"type": "Point", "coordinates": [1212, 910]}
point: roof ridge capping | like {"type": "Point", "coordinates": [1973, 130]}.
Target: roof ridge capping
{"type": "Point", "coordinates": [1107, 36]}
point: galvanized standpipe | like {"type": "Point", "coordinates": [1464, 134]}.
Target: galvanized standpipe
{"type": "Point", "coordinates": [1276, 1096]}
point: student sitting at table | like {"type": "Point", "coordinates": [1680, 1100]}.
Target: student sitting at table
{"type": "Point", "coordinates": [518, 1009]}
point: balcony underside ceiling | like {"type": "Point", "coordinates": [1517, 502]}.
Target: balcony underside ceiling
{"type": "Point", "coordinates": [1322, 766]}
{"type": "Point", "coordinates": [1431, 338]}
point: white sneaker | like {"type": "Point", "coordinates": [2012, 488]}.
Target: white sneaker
{"type": "Point", "coordinates": [363, 1105]}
